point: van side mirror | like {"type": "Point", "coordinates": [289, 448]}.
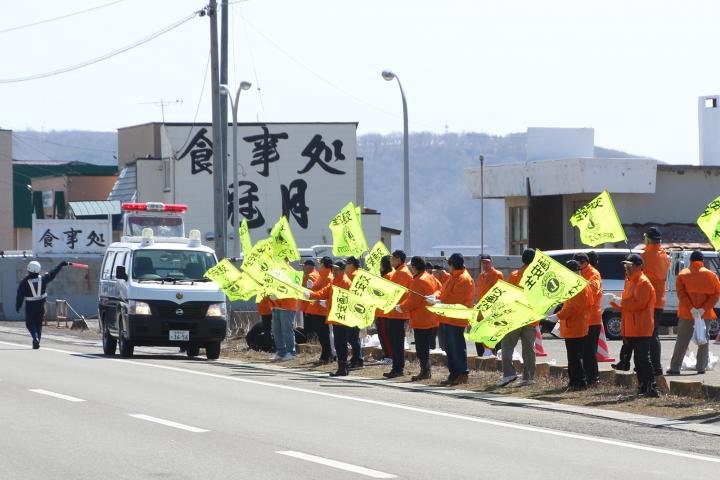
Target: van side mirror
{"type": "Point", "coordinates": [120, 272]}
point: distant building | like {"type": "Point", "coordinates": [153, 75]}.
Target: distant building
{"type": "Point", "coordinates": [541, 194]}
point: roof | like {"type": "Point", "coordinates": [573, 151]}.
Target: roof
{"type": "Point", "coordinates": [240, 124]}
{"type": "Point", "coordinates": [390, 230]}
{"type": "Point", "coordinates": [125, 188]}
{"type": "Point", "coordinates": [95, 208]}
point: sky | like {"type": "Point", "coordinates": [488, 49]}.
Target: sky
{"type": "Point", "coordinates": [632, 69]}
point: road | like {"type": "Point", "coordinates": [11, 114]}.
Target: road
{"type": "Point", "coordinates": [68, 413]}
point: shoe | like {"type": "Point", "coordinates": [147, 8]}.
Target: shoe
{"type": "Point", "coordinates": [341, 372]}
{"type": "Point", "coordinates": [620, 366]}
{"type": "Point", "coordinates": [322, 361]}
{"type": "Point", "coordinates": [36, 344]}
{"type": "Point", "coordinates": [386, 361]}
{"type": "Point", "coordinates": [276, 358]}
{"type": "Point", "coordinates": [525, 383]}
{"type": "Point", "coordinates": [701, 372]}
{"type": "Point", "coordinates": [670, 373]}
{"type": "Point", "coordinates": [506, 380]}
{"type": "Point", "coordinates": [393, 374]}
{"type": "Point", "coordinates": [575, 388]}
{"type": "Point", "coordinates": [451, 381]}
{"type": "Point", "coordinates": [288, 357]}
{"type": "Point", "coordinates": [462, 379]}
{"type": "Point", "coordinates": [356, 365]}
{"type": "Point", "coordinates": [651, 393]}
{"type": "Point", "coordinates": [423, 375]}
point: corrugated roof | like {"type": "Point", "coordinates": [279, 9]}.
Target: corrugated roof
{"type": "Point", "coordinates": [95, 208]}
{"type": "Point", "coordinates": [125, 186]}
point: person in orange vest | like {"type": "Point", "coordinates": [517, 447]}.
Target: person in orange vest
{"type": "Point", "coordinates": [429, 270]}
{"type": "Point", "coordinates": [352, 264]}
{"type": "Point", "coordinates": [637, 305]}
{"type": "Point", "coordinates": [460, 289]}
{"type": "Point", "coordinates": [396, 321]}
{"type": "Point", "coordinates": [487, 278]}
{"type": "Point", "coordinates": [592, 275]}
{"type": "Point", "coordinates": [573, 318]}
{"type": "Point", "coordinates": [525, 334]}
{"type": "Point", "coordinates": [310, 322]}
{"type": "Point", "coordinates": [440, 273]}
{"type": "Point", "coordinates": [422, 320]}
{"type": "Point", "coordinates": [284, 312]}
{"type": "Point", "coordinates": [381, 321]}
{"type": "Point", "coordinates": [264, 309]}
{"type": "Point", "coordinates": [317, 308]}
{"type": "Point", "coordinates": [698, 290]}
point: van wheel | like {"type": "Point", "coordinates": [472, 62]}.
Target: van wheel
{"type": "Point", "coordinates": [126, 347]}
{"type": "Point", "coordinates": [192, 350]}
{"type": "Point", "coordinates": [109, 343]}
{"type": "Point", "coordinates": [613, 325]}
{"type": "Point", "coordinates": [212, 350]}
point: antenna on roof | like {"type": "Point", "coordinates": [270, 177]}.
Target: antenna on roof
{"type": "Point", "coordinates": [162, 104]}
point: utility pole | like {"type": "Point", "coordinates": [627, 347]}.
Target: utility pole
{"type": "Point", "coordinates": [224, 109]}
{"type": "Point", "coordinates": [482, 205]}
{"type": "Point", "coordinates": [219, 202]}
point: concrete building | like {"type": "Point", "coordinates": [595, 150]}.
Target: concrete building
{"type": "Point", "coordinates": [7, 237]}
{"type": "Point", "coordinates": [541, 194]}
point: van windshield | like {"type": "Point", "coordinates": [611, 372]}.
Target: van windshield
{"type": "Point", "coordinates": [171, 265]}
{"type": "Point", "coordinates": [161, 226]}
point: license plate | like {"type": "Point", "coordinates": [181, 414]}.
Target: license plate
{"type": "Point", "coordinates": [180, 335]}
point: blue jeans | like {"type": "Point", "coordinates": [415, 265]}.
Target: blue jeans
{"type": "Point", "coordinates": [282, 330]}
{"type": "Point", "coordinates": [455, 349]}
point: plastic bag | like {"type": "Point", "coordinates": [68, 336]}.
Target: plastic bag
{"type": "Point", "coordinates": [700, 333]}
{"type": "Point", "coordinates": [689, 361]}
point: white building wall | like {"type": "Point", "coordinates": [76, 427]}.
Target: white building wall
{"type": "Point", "coordinates": [709, 129]}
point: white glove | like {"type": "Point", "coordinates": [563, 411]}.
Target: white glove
{"type": "Point", "coordinates": [323, 303]}
{"type": "Point", "coordinates": [552, 318]}
{"type": "Point", "coordinates": [306, 295]}
{"type": "Point", "coordinates": [398, 309]}
{"type": "Point", "coordinates": [309, 284]}
{"type": "Point", "coordinates": [273, 297]}
{"type": "Point", "coordinates": [431, 299]}
{"type": "Point", "coordinates": [609, 296]}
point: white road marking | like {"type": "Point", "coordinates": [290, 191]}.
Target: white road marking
{"type": "Point", "coordinates": [397, 406]}
{"type": "Point", "coordinates": [167, 423]}
{"type": "Point", "coordinates": [56, 395]}
{"type": "Point", "coordinates": [348, 467]}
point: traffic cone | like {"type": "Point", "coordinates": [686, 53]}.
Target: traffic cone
{"type": "Point", "coordinates": [539, 350]}
{"type": "Point", "coordinates": [603, 352]}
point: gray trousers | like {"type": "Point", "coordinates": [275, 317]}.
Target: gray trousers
{"type": "Point", "coordinates": [526, 335]}
{"type": "Point", "coordinates": [685, 331]}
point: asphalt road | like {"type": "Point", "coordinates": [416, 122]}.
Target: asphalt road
{"type": "Point", "coordinates": [68, 413]}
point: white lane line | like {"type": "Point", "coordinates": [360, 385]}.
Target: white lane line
{"type": "Point", "coordinates": [348, 467]}
{"type": "Point", "coordinates": [397, 406]}
{"type": "Point", "coordinates": [167, 423]}
{"type": "Point", "coordinates": [56, 395]}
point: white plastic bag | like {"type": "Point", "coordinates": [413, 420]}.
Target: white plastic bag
{"type": "Point", "coordinates": [700, 334]}
{"type": "Point", "coordinates": [689, 361]}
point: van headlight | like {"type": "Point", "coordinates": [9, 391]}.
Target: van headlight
{"type": "Point", "coordinates": [136, 307]}
{"type": "Point", "coordinates": [216, 310]}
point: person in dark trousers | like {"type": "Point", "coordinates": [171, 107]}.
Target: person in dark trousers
{"type": "Point", "coordinates": [317, 310]}
{"type": "Point", "coordinates": [396, 321]}
{"type": "Point", "coordinates": [352, 264]}
{"type": "Point", "coordinates": [32, 290]}
{"type": "Point", "coordinates": [381, 322]}
{"type": "Point", "coordinates": [594, 320]}
{"type": "Point", "coordinates": [311, 323]}
{"type": "Point", "coordinates": [438, 285]}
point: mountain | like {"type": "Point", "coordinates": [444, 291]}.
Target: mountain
{"type": "Point", "coordinates": [442, 212]}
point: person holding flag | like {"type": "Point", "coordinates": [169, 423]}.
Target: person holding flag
{"type": "Point", "coordinates": [310, 322]}
{"type": "Point", "coordinates": [381, 320]}
{"type": "Point", "coordinates": [592, 275]}
{"type": "Point", "coordinates": [422, 321]}
{"type": "Point", "coordinates": [32, 290]}
{"type": "Point", "coordinates": [486, 279]}
{"type": "Point", "coordinates": [264, 309]}
{"type": "Point", "coordinates": [283, 327]}
{"type": "Point", "coordinates": [438, 286]}
{"type": "Point", "coordinates": [321, 291]}
{"type": "Point", "coordinates": [352, 264]}
{"type": "Point", "coordinates": [397, 320]}
{"type": "Point", "coordinates": [460, 290]}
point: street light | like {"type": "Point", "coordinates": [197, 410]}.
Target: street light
{"type": "Point", "coordinates": [224, 90]}
{"type": "Point", "coordinates": [389, 76]}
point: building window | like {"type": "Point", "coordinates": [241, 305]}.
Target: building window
{"type": "Point", "coordinates": [518, 230]}
{"type": "Point", "coordinates": [711, 102]}
{"type": "Point", "coordinates": [166, 172]}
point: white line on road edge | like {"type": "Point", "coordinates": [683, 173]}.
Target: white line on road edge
{"type": "Point", "coordinates": [485, 421]}
{"type": "Point", "coordinates": [340, 465]}
{"type": "Point", "coordinates": [56, 395]}
{"type": "Point", "coordinates": [167, 423]}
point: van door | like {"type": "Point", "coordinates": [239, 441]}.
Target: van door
{"type": "Point", "coordinates": [106, 306]}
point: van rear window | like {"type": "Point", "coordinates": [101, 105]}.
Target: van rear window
{"type": "Point", "coordinates": [171, 265]}
{"type": "Point", "coordinates": [609, 264]}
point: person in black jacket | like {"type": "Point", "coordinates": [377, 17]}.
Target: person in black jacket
{"type": "Point", "coordinates": [33, 291]}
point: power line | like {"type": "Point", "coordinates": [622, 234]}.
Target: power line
{"type": "Point", "coordinates": [197, 109]}
{"type": "Point", "coordinates": [254, 67]}
{"type": "Point", "coordinates": [105, 56]}
{"type": "Point", "coordinates": [61, 17]}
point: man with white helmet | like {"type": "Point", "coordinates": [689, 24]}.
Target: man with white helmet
{"type": "Point", "coordinates": [33, 291]}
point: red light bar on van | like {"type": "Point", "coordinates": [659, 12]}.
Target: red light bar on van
{"type": "Point", "coordinates": [154, 207]}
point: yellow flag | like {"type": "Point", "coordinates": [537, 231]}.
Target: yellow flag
{"type": "Point", "coordinates": [260, 259]}
{"type": "Point", "coordinates": [243, 288]}
{"type": "Point", "coordinates": [503, 292]}
{"type": "Point", "coordinates": [347, 232]}
{"type": "Point", "coordinates": [373, 257]}
{"type": "Point", "coordinates": [501, 319]}
{"type": "Point", "coordinates": [349, 309]}
{"type": "Point", "coordinates": [598, 222]}
{"type": "Point", "coordinates": [454, 310]}
{"type": "Point", "coordinates": [278, 283]}
{"type": "Point", "coordinates": [376, 291]}
{"type": "Point", "coordinates": [709, 222]}
{"type": "Point", "coordinates": [223, 273]}
{"type": "Point", "coordinates": [245, 240]}
{"type": "Point", "coordinates": [283, 241]}
{"type": "Point", "coordinates": [547, 283]}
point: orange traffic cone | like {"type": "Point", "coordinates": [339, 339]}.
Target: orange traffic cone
{"type": "Point", "coordinates": [603, 352]}
{"type": "Point", "coordinates": [539, 350]}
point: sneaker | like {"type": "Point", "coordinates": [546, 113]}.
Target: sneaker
{"type": "Point", "coordinates": [700, 372]}
{"type": "Point", "coordinates": [386, 361]}
{"type": "Point", "coordinates": [669, 372]}
{"type": "Point", "coordinates": [525, 383]}
{"type": "Point", "coordinates": [276, 358]}
{"type": "Point", "coordinates": [288, 357]}
{"type": "Point", "coordinates": [620, 366]}
{"type": "Point", "coordinates": [36, 344]}
{"type": "Point", "coordinates": [506, 380]}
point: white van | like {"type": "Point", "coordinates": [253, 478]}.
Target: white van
{"type": "Point", "coordinates": [152, 291]}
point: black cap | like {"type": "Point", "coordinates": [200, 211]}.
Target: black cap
{"type": "Point", "coordinates": [456, 260]}
{"type": "Point", "coordinates": [353, 261]}
{"type": "Point", "coordinates": [326, 262]}
{"type": "Point", "coordinates": [697, 256]}
{"type": "Point", "coordinates": [485, 256]}
{"type": "Point", "coordinates": [528, 256]}
{"type": "Point", "coordinates": [309, 262]}
{"type": "Point", "coordinates": [399, 254]}
{"type": "Point", "coordinates": [339, 264]}
{"type": "Point", "coordinates": [633, 259]}
{"type": "Point", "coordinates": [573, 265]}
{"type": "Point", "coordinates": [593, 258]}
{"type": "Point", "coordinates": [581, 257]}
{"type": "Point", "coordinates": [418, 263]}
{"type": "Point", "coordinates": [653, 234]}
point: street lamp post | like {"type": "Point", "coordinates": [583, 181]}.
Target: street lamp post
{"type": "Point", "coordinates": [389, 76]}
{"type": "Point", "coordinates": [236, 216]}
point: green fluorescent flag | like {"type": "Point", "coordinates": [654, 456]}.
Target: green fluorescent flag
{"type": "Point", "coordinates": [373, 257]}
{"type": "Point", "coordinates": [223, 273]}
{"type": "Point", "coordinates": [709, 222]}
{"type": "Point", "coordinates": [349, 309]}
{"type": "Point", "coordinates": [259, 259]}
{"type": "Point", "coordinates": [242, 289]}
{"type": "Point", "coordinates": [547, 283]}
{"type": "Point", "coordinates": [278, 283]}
{"type": "Point", "coordinates": [376, 291]}
{"type": "Point", "coordinates": [502, 318]}
{"type": "Point", "coordinates": [598, 222]}
{"type": "Point", "coordinates": [347, 232]}
{"type": "Point", "coordinates": [283, 241]}
{"type": "Point", "coordinates": [454, 310]}
{"type": "Point", "coordinates": [245, 241]}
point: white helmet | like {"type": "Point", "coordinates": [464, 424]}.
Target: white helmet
{"type": "Point", "coordinates": [34, 267]}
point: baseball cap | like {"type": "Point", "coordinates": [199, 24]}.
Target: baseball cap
{"type": "Point", "coordinates": [633, 259]}
{"type": "Point", "coordinates": [653, 234]}
{"type": "Point", "coordinates": [339, 264]}
{"type": "Point", "coordinates": [309, 262]}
